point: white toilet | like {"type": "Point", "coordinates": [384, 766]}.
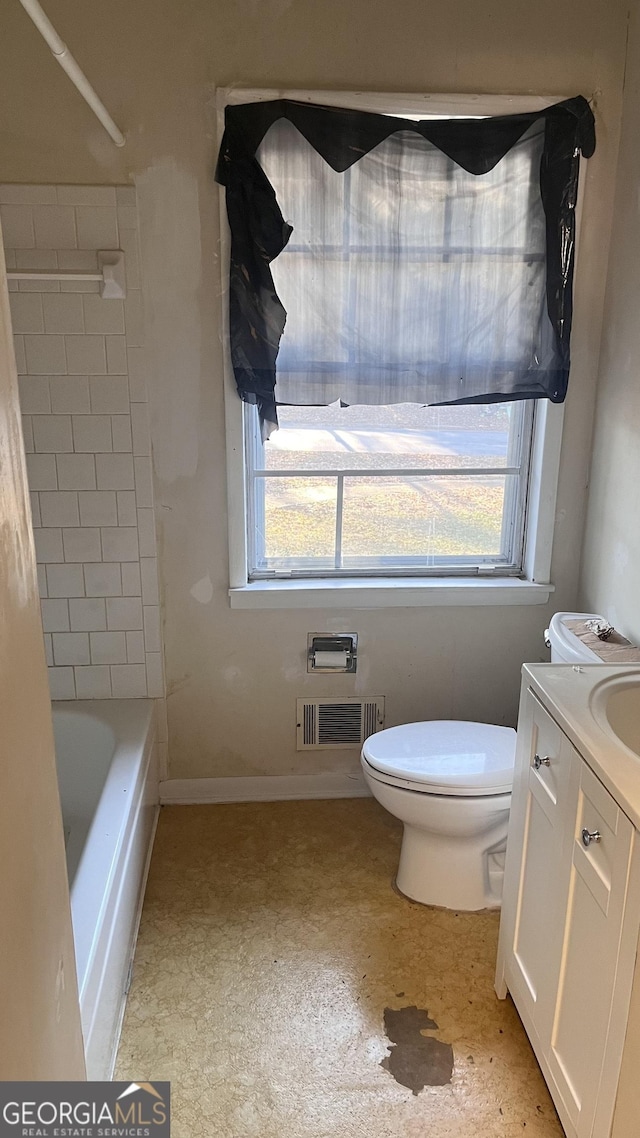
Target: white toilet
{"type": "Point", "coordinates": [449, 782]}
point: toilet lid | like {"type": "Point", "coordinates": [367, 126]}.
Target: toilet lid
{"type": "Point", "coordinates": [446, 756]}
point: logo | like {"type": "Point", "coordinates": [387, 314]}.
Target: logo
{"type": "Point", "coordinates": [84, 1110]}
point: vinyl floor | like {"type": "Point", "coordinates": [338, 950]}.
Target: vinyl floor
{"type": "Point", "coordinates": [271, 943]}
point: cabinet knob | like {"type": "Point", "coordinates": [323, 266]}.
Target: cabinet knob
{"type": "Point", "coordinates": [541, 762]}
{"type": "Point", "coordinates": [589, 836]}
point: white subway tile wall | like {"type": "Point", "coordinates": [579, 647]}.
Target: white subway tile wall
{"type": "Point", "coordinates": [83, 395]}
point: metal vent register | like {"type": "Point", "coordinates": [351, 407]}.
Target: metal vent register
{"type": "Point", "coordinates": [337, 723]}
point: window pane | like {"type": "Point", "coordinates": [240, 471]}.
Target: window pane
{"type": "Point", "coordinates": [394, 333]}
{"type": "Point", "coordinates": [382, 213]}
{"type": "Point", "coordinates": [485, 323]}
{"type": "Point", "coordinates": [502, 208]}
{"type": "Point", "coordinates": [299, 520]}
{"type": "Point", "coordinates": [314, 293]}
{"type": "Point", "coordinates": [390, 438]}
{"type": "Point", "coordinates": [311, 193]}
{"type": "Point", "coordinates": [422, 519]}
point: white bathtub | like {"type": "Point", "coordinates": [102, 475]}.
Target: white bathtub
{"type": "Point", "coordinates": [108, 778]}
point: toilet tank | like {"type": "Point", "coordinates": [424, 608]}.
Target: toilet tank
{"type": "Point", "coordinates": [566, 647]}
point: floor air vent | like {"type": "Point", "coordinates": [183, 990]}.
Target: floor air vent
{"type": "Point", "coordinates": [338, 723]}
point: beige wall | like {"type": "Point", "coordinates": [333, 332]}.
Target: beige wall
{"type": "Point", "coordinates": [40, 1021]}
{"type": "Point", "coordinates": [611, 561]}
{"type": "Point", "coordinates": [157, 64]}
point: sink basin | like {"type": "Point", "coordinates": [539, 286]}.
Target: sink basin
{"type": "Point", "coordinates": [615, 705]}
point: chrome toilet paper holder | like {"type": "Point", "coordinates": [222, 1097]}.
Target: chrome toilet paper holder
{"type": "Point", "coordinates": [332, 652]}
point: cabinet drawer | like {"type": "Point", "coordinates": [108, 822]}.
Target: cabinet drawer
{"type": "Point", "coordinates": [546, 760]}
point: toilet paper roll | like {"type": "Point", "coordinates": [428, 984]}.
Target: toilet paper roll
{"type": "Point", "coordinates": [330, 659]}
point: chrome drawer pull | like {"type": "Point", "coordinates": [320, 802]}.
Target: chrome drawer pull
{"type": "Point", "coordinates": [538, 762]}
{"type": "Point", "coordinates": [589, 836]}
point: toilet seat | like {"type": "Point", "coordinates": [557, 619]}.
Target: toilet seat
{"type": "Point", "coordinates": [448, 757]}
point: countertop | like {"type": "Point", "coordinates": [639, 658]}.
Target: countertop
{"type": "Point", "coordinates": [566, 690]}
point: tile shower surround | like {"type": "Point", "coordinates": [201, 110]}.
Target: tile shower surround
{"type": "Point", "coordinates": [86, 431]}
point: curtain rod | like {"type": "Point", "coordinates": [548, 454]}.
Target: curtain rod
{"type": "Point", "coordinates": [64, 57]}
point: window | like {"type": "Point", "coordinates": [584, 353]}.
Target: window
{"type": "Point", "coordinates": [393, 490]}
{"type": "Point", "coordinates": [402, 490]}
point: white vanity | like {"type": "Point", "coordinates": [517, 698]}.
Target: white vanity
{"type": "Point", "coordinates": [570, 927]}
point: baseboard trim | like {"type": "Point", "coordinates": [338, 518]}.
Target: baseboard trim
{"type": "Point", "coordinates": [262, 788]}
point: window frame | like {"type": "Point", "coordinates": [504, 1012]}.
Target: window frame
{"type": "Point", "coordinates": [485, 587]}
{"type": "Point", "coordinates": [512, 536]}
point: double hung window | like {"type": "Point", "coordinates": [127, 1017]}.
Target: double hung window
{"type": "Point", "coordinates": [404, 489]}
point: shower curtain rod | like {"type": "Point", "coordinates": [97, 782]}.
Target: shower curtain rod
{"type": "Point", "coordinates": [64, 57]}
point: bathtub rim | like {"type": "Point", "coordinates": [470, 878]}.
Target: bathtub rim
{"type": "Point", "coordinates": [132, 776]}
{"type": "Point", "coordinates": [134, 730]}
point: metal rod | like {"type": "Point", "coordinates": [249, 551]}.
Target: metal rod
{"type": "Point", "coordinates": [77, 76]}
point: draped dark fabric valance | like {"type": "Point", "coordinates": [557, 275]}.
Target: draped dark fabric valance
{"type": "Point", "coordinates": [535, 366]}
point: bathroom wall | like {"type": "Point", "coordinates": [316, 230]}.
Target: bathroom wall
{"type": "Point", "coordinates": [40, 1036]}
{"type": "Point", "coordinates": [611, 558]}
{"type": "Point", "coordinates": [232, 677]}
{"type": "Point", "coordinates": [86, 430]}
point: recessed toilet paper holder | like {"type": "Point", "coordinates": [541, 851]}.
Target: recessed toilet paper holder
{"type": "Point", "coordinates": [332, 652]}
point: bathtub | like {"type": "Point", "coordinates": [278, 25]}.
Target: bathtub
{"type": "Point", "coordinates": [106, 757]}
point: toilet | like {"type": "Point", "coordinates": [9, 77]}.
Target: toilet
{"type": "Point", "coordinates": [449, 782]}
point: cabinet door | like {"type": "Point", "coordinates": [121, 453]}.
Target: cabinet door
{"type": "Point", "coordinates": [535, 885]}
{"type": "Point", "coordinates": [592, 931]}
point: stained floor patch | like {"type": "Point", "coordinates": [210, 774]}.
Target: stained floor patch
{"type": "Point", "coordinates": [416, 1060]}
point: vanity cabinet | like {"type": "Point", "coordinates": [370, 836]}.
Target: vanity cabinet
{"type": "Point", "coordinates": [569, 927]}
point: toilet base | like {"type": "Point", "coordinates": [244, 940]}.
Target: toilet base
{"type": "Point", "coordinates": [461, 873]}
{"type": "Point", "coordinates": [453, 845]}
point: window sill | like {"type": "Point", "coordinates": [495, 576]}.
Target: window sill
{"type": "Point", "coordinates": [387, 592]}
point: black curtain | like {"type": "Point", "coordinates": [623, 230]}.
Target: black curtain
{"type": "Point", "coordinates": [259, 233]}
